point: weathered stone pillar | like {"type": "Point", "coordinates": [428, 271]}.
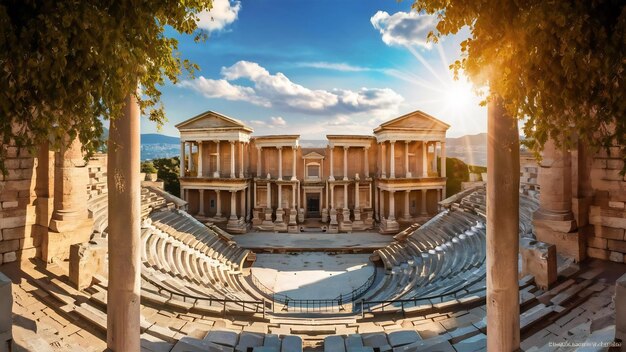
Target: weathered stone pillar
{"type": "Point", "coordinates": [242, 203]}
{"type": "Point", "coordinates": [392, 206]}
{"type": "Point", "coordinates": [190, 157]}
{"type": "Point", "coordinates": [332, 196]}
{"type": "Point", "coordinates": [218, 204]}
{"type": "Point", "coordinates": [241, 171]}
{"type": "Point", "coordinates": [357, 202]}
{"type": "Point", "coordinates": [392, 161]}
{"type": "Point", "coordinates": [249, 201]}
{"type": "Point", "coordinates": [424, 210]}
{"type": "Point", "coordinates": [268, 195]}
{"type": "Point", "coordinates": [345, 196]}
{"type": "Point", "coordinates": [406, 160]}
{"type": "Point", "coordinates": [232, 159]}
{"type": "Point", "coordinates": [182, 159]}
{"type": "Point", "coordinates": [293, 165]}
{"type": "Point", "coordinates": [332, 166]}
{"type": "Point", "coordinates": [69, 222]}
{"type": "Point", "coordinates": [201, 204]}
{"type": "Point", "coordinates": [280, 166]}
{"type": "Point", "coordinates": [280, 196]}
{"type": "Point", "coordinates": [407, 206]}
{"type": "Point", "coordinates": [218, 167]}
{"type": "Point", "coordinates": [233, 205]}
{"type": "Point", "coordinates": [199, 173]}
{"type": "Point", "coordinates": [293, 195]}
{"type": "Point", "coordinates": [383, 156]}
{"type": "Point", "coordinates": [124, 230]}
{"type": "Point", "coordinates": [502, 230]}
{"type": "Point", "coordinates": [345, 163]}
{"type": "Point", "coordinates": [443, 161]}
{"type": "Point", "coordinates": [382, 205]}
{"type": "Point", "coordinates": [376, 206]}
{"type": "Point", "coordinates": [424, 159]}
{"type": "Point", "coordinates": [366, 172]}
{"type": "Point", "coordinates": [554, 220]}
{"type": "Point", "coordinates": [259, 171]}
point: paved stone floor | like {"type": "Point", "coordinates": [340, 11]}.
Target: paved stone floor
{"type": "Point", "coordinates": [313, 240]}
{"type": "Point", "coordinates": [312, 275]}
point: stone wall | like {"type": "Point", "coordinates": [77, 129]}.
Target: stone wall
{"type": "Point", "coordinates": [25, 203]}
{"type": "Point", "coordinates": [97, 175]}
{"type": "Point", "coordinates": [529, 169]}
{"type": "Point", "coordinates": [606, 237]}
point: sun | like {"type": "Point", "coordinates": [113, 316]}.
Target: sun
{"type": "Point", "coordinates": [459, 95]}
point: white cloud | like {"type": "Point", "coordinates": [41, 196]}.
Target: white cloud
{"type": "Point", "coordinates": [278, 121]}
{"type": "Point", "coordinates": [337, 66]}
{"type": "Point", "coordinates": [404, 28]}
{"type": "Point", "coordinates": [277, 90]}
{"type": "Point", "coordinates": [223, 13]}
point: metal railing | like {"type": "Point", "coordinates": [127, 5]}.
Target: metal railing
{"type": "Point", "coordinates": [256, 306]}
{"type": "Point", "coordinates": [313, 305]}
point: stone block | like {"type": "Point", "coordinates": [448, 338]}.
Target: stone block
{"type": "Point", "coordinates": [334, 343]}
{"type": "Point", "coordinates": [617, 246]}
{"type": "Point", "coordinates": [597, 242]}
{"type": "Point", "coordinates": [620, 308]}
{"type": "Point", "coordinates": [616, 257]}
{"type": "Point", "coordinates": [9, 246]}
{"type": "Point", "coordinates": [598, 253]}
{"type": "Point", "coordinates": [86, 261]}
{"type": "Point", "coordinates": [616, 205]}
{"type": "Point", "coordinates": [56, 245]}
{"type": "Point", "coordinates": [9, 204]}
{"type": "Point", "coordinates": [6, 304]}
{"type": "Point", "coordinates": [222, 337]}
{"type": "Point", "coordinates": [570, 245]}
{"type": "Point", "coordinates": [403, 337]}
{"type": "Point", "coordinates": [291, 343]}
{"type": "Point", "coordinates": [9, 257]}
{"type": "Point", "coordinates": [610, 233]}
{"type": "Point", "coordinates": [539, 260]}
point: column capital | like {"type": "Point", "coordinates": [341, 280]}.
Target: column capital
{"type": "Point", "coordinates": [258, 147]}
{"type": "Point", "coordinates": [217, 191]}
{"type": "Point", "coordinates": [408, 191]}
{"type": "Point", "coordinates": [367, 147]}
{"type": "Point", "coordinates": [346, 147]}
{"type": "Point", "coordinates": [407, 142]}
{"type": "Point", "coordinates": [294, 147]}
{"type": "Point", "coordinates": [392, 141]}
{"type": "Point", "coordinates": [231, 142]}
{"type": "Point", "coordinates": [279, 147]}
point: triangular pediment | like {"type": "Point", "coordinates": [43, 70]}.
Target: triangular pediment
{"type": "Point", "coordinates": [210, 119]}
{"type": "Point", "coordinates": [417, 120]}
{"type": "Point", "coordinates": [313, 155]}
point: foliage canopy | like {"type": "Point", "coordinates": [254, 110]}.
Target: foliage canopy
{"type": "Point", "coordinates": [558, 65]}
{"type": "Point", "coordinates": [67, 64]}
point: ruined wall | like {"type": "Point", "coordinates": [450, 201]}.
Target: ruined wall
{"type": "Point", "coordinates": [97, 175]}
{"type": "Point", "coordinates": [25, 203]}
{"type": "Point", "coordinates": [606, 238]}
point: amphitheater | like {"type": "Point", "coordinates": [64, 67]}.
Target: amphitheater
{"type": "Point", "coordinates": [203, 289]}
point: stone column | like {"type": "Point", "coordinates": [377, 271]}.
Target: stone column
{"type": "Point", "coordinates": [392, 206]}
{"type": "Point", "coordinates": [280, 167]}
{"type": "Point", "coordinates": [123, 315]}
{"type": "Point", "coordinates": [357, 204]}
{"type": "Point", "coordinates": [233, 205]}
{"type": "Point", "coordinates": [259, 170]}
{"type": "Point", "coordinates": [434, 161]}
{"type": "Point", "coordinates": [241, 171]}
{"type": "Point", "coordinates": [369, 188]}
{"type": "Point", "coordinates": [242, 202]}
{"type": "Point", "coordinates": [190, 157]}
{"type": "Point", "coordinates": [182, 159]}
{"type": "Point", "coordinates": [332, 165]}
{"type": "Point", "coordinates": [201, 205]}
{"type": "Point", "coordinates": [280, 196]}
{"type": "Point", "coordinates": [268, 195]}
{"type": "Point", "coordinates": [392, 161]}
{"type": "Point", "coordinates": [366, 172]}
{"type": "Point", "coordinates": [407, 206]}
{"type": "Point", "coordinates": [376, 205]}
{"type": "Point", "coordinates": [232, 159]}
{"type": "Point", "coordinates": [332, 196]}
{"type": "Point", "coordinates": [406, 160]}
{"type": "Point", "coordinates": [383, 155]}
{"type": "Point", "coordinates": [293, 165]}
{"type": "Point", "coordinates": [443, 160]}
{"type": "Point", "coordinates": [218, 167]}
{"type": "Point", "coordinates": [200, 163]}
{"type": "Point", "coordinates": [294, 191]}
{"type": "Point", "coordinates": [249, 201]}
{"type": "Point", "coordinates": [345, 163]}
{"type": "Point", "coordinates": [424, 210]}
{"type": "Point", "coordinates": [345, 196]}
{"type": "Point", "coordinates": [554, 220]}
{"type": "Point", "coordinates": [382, 205]}
{"type": "Point", "coordinates": [503, 319]}
{"type": "Point", "coordinates": [424, 159]}
{"type": "Point", "coordinates": [218, 204]}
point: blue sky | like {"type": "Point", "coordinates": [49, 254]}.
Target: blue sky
{"type": "Point", "coordinates": [320, 67]}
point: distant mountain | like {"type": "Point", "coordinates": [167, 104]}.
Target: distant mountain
{"type": "Point", "coordinates": [474, 140]}
{"type": "Point", "coordinates": [155, 138]}
{"type": "Point", "coordinates": [472, 149]}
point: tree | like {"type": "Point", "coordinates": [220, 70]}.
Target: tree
{"type": "Point", "coordinates": [168, 171]}
{"type": "Point", "coordinates": [66, 65]}
{"type": "Point", "coordinates": [559, 65]}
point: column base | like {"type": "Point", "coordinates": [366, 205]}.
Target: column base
{"type": "Point", "coordinates": [293, 215]}
{"type": "Point", "coordinates": [388, 226]}
{"type": "Point", "coordinates": [358, 224]}
{"type": "Point", "coordinates": [279, 224]}
{"type": "Point", "coordinates": [301, 215]}
{"type": "Point", "coordinates": [55, 245]}
{"type": "Point", "coordinates": [256, 216]}
{"type": "Point", "coordinates": [86, 261]}
{"type": "Point", "coordinates": [237, 226]}
{"type": "Point", "coordinates": [333, 226]}
{"type": "Point", "coordinates": [345, 225]}
{"type": "Point", "coordinates": [568, 244]}
{"type": "Point", "coordinates": [539, 260]}
{"type": "Point", "coordinates": [325, 215]}
{"type": "Point", "coordinates": [369, 217]}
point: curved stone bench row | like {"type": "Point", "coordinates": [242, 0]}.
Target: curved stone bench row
{"type": "Point", "coordinates": [185, 269]}
{"type": "Point", "coordinates": [193, 233]}
{"type": "Point", "coordinates": [229, 341]}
